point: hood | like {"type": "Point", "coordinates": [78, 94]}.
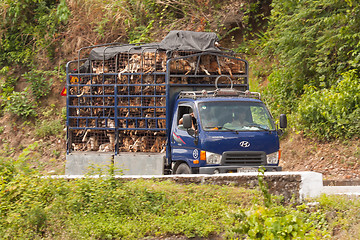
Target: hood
{"type": "Point", "coordinates": [218, 142]}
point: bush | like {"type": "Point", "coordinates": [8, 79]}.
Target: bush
{"type": "Point", "coordinates": [19, 103]}
{"type": "Point", "coordinates": [280, 222]}
{"type": "Point", "coordinates": [315, 43]}
{"type": "Point", "coordinates": [281, 93]}
{"type": "Point", "coordinates": [47, 128]}
{"type": "Point", "coordinates": [310, 39]}
{"type": "Point", "coordinates": [39, 83]}
{"type": "Point", "coordinates": [28, 28]}
{"type": "Point", "coordinates": [332, 113]}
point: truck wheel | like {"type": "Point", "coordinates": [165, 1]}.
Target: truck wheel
{"type": "Point", "coordinates": [183, 168]}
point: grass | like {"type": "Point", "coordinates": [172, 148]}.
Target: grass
{"type": "Point", "coordinates": [108, 209]}
{"type": "Point", "coordinates": [34, 207]}
{"type": "Point", "coordinates": [46, 128]}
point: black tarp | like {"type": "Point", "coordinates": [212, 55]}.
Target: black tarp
{"type": "Point", "coordinates": [174, 41]}
{"type": "Point", "coordinates": [190, 41]}
{"type": "Point", "coordinates": [106, 53]}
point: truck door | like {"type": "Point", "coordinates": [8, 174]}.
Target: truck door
{"type": "Point", "coordinates": [183, 147]}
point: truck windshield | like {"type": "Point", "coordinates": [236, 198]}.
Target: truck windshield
{"type": "Point", "coordinates": [235, 116]}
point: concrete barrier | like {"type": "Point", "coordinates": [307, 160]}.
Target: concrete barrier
{"type": "Point", "coordinates": [88, 163]}
{"type": "Point", "coordinates": [125, 163]}
{"type": "Point", "coordinates": [139, 164]}
{"type": "Point", "coordinates": [297, 185]}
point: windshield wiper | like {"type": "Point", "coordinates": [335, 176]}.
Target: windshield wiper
{"type": "Point", "coordinates": [232, 130]}
{"type": "Point", "coordinates": [258, 126]}
{"type": "Point", "coordinates": [221, 127]}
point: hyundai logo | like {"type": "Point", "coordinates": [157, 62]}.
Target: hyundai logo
{"type": "Point", "coordinates": [244, 144]}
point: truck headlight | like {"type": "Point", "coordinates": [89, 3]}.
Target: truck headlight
{"type": "Point", "coordinates": [272, 158]}
{"type": "Point", "coordinates": [213, 158]}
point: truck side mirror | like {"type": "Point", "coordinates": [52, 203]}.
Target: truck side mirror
{"type": "Point", "coordinates": [283, 121]}
{"type": "Point", "coordinates": [188, 125]}
{"type": "Point", "coordinates": [187, 121]}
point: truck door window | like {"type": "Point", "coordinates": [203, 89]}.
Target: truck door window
{"type": "Point", "coordinates": [185, 110]}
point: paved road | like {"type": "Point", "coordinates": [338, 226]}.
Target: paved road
{"type": "Point", "coordinates": [342, 190]}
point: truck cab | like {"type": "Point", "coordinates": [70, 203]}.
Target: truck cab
{"type": "Point", "coordinates": [223, 131]}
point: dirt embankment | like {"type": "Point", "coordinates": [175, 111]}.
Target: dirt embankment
{"type": "Point", "coordinates": [337, 160]}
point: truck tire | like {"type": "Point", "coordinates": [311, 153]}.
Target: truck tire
{"type": "Point", "coordinates": [183, 168]}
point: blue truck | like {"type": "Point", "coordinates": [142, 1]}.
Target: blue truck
{"type": "Point", "coordinates": [180, 106]}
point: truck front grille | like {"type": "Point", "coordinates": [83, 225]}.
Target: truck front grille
{"type": "Point", "coordinates": [244, 158]}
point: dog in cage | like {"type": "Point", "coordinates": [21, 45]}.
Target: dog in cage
{"type": "Point", "coordinates": [127, 141]}
{"type": "Point", "coordinates": [136, 147]}
{"type": "Point", "coordinates": [230, 66]}
{"type": "Point", "coordinates": [180, 65]}
{"type": "Point", "coordinates": [159, 145]}
{"type": "Point", "coordinates": [146, 80]}
{"type": "Point", "coordinates": [154, 61]}
{"type": "Point", "coordinates": [91, 140]}
{"type": "Point", "coordinates": [149, 62]}
{"type": "Point", "coordinates": [132, 66]}
{"type": "Point", "coordinates": [162, 122]}
{"type": "Point", "coordinates": [161, 58]}
{"type": "Point", "coordinates": [210, 62]}
{"type": "Point", "coordinates": [86, 90]}
{"type": "Point", "coordinates": [108, 146]}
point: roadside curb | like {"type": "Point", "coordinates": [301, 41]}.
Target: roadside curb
{"type": "Point", "coordinates": [298, 185]}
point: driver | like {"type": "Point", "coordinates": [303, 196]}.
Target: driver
{"type": "Point", "coordinates": [238, 121]}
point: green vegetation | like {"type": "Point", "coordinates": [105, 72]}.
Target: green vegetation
{"type": "Point", "coordinates": [18, 103]}
{"type": "Point", "coordinates": [47, 128]}
{"type": "Point", "coordinates": [316, 44]}
{"type": "Point", "coordinates": [35, 207]}
{"type": "Point", "coordinates": [333, 112]}
{"type": "Point", "coordinates": [28, 40]}
{"type": "Point", "coordinates": [29, 29]}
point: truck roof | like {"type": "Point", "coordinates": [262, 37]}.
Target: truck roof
{"type": "Point", "coordinates": [224, 99]}
{"type": "Point", "coordinates": [224, 94]}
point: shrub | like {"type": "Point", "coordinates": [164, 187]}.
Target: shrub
{"type": "Point", "coordinates": [29, 28]}
{"type": "Point", "coordinates": [281, 93]}
{"type": "Point", "coordinates": [271, 220]}
{"type": "Point", "coordinates": [39, 84]}
{"type": "Point", "coordinates": [334, 112]}
{"type": "Point", "coordinates": [314, 43]}
{"type": "Point", "coordinates": [280, 222]}
{"type": "Point", "coordinates": [310, 39]}
{"type": "Point", "coordinates": [47, 128]}
{"type": "Point", "coordinates": [19, 103]}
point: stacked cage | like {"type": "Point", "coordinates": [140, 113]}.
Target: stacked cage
{"type": "Point", "coordinates": [118, 103]}
{"type": "Point", "coordinates": [203, 68]}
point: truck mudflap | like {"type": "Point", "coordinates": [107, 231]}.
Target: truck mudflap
{"type": "Point", "coordinates": [234, 169]}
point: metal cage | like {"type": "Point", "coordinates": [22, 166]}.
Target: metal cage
{"type": "Point", "coordinates": [119, 103]}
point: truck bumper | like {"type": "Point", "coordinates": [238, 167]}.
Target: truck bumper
{"type": "Point", "coordinates": [234, 169]}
